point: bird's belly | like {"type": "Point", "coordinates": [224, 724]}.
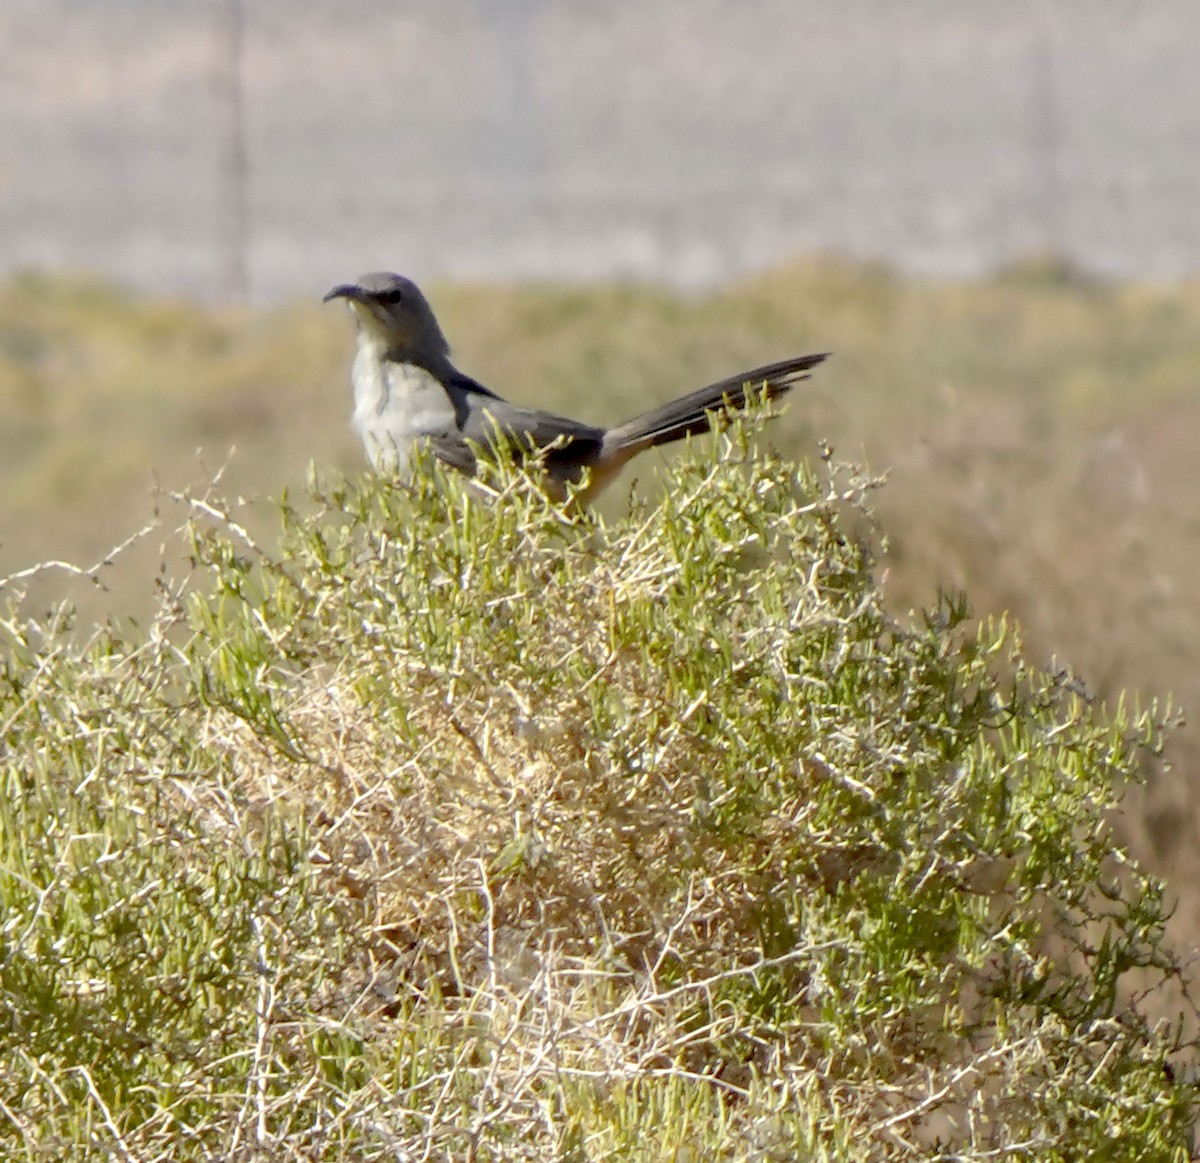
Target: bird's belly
{"type": "Point", "coordinates": [394, 406]}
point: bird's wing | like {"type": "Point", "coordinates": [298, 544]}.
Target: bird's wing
{"type": "Point", "coordinates": [486, 420]}
{"type": "Point", "coordinates": [451, 449]}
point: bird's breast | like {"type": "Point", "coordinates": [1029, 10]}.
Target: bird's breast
{"type": "Point", "coordinates": [395, 404]}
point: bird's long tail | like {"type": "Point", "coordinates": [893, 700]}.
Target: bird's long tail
{"type": "Point", "coordinates": [693, 413]}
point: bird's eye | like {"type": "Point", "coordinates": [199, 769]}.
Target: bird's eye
{"type": "Point", "coordinates": [393, 296]}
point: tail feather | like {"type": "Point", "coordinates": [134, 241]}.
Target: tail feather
{"type": "Point", "coordinates": [692, 414]}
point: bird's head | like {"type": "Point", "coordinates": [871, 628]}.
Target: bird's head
{"type": "Point", "coordinates": [392, 312]}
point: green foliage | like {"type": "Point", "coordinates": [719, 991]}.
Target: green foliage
{"type": "Point", "coordinates": [467, 827]}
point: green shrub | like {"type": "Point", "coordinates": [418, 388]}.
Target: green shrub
{"type": "Point", "coordinates": [468, 829]}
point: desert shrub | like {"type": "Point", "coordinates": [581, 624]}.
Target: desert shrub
{"type": "Point", "coordinates": [462, 827]}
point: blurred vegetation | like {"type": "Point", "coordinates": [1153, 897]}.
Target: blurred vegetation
{"type": "Point", "coordinates": [1040, 430]}
{"type": "Point", "coordinates": [450, 829]}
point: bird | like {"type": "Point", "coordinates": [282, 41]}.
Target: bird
{"type": "Point", "coordinates": [408, 393]}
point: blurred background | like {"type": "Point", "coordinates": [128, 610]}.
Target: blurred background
{"type": "Point", "coordinates": [258, 147]}
{"type": "Point", "coordinates": [987, 210]}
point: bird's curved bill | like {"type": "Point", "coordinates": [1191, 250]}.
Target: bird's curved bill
{"type": "Point", "coordinates": [344, 291]}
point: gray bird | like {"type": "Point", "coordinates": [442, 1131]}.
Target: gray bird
{"type": "Point", "coordinates": [407, 392]}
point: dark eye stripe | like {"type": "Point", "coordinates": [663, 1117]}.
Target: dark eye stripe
{"type": "Point", "coordinates": [392, 296]}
